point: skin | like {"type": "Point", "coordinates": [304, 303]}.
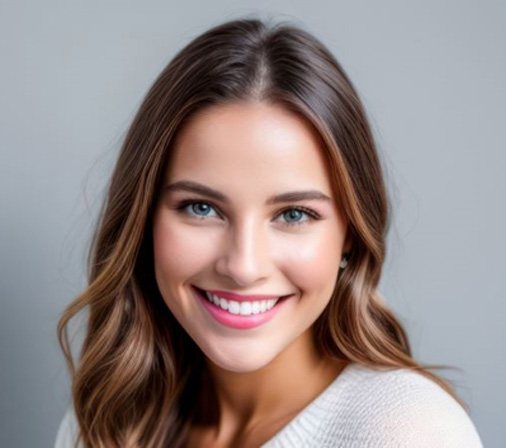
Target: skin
{"type": "Point", "coordinates": [249, 151]}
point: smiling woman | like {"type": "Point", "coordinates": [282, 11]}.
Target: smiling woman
{"type": "Point", "coordinates": [233, 278]}
{"type": "Point", "coordinates": [272, 229]}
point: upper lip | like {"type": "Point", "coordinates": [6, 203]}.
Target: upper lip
{"type": "Point", "coordinates": [242, 298]}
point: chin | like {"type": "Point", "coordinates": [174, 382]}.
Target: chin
{"type": "Point", "coordinates": [239, 362]}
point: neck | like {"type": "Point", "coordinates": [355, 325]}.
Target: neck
{"type": "Point", "coordinates": [232, 401]}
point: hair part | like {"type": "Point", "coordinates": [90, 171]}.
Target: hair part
{"type": "Point", "coordinates": [136, 381]}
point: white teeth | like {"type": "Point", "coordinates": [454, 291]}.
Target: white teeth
{"type": "Point", "coordinates": [246, 309]}
{"type": "Point", "coordinates": [242, 308]}
{"type": "Point", "coordinates": [234, 307]}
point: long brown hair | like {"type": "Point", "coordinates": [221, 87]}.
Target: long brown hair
{"type": "Point", "coordinates": [138, 374]}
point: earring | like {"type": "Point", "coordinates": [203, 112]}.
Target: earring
{"type": "Point", "coordinates": [344, 262]}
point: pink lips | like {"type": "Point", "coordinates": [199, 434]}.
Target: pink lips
{"type": "Point", "coordinates": [236, 320]}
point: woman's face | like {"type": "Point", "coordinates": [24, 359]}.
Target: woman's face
{"type": "Point", "coordinates": [247, 209]}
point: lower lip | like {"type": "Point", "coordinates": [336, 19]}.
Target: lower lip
{"type": "Point", "coordinates": [236, 320]}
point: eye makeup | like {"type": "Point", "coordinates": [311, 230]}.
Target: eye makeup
{"type": "Point", "coordinates": [187, 207]}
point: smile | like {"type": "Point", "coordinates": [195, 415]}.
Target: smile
{"type": "Point", "coordinates": [242, 313]}
{"type": "Point", "coordinates": [244, 308]}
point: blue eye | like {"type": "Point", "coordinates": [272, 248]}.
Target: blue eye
{"type": "Point", "coordinates": [197, 209]}
{"type": "Point", "coordinates": [293, 216]}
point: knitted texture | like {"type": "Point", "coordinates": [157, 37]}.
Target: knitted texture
{"type": "Point", "coordinates": [365, 408]}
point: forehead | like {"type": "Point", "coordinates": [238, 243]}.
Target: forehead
{"type": "Point", "coordinates": [249, 141]}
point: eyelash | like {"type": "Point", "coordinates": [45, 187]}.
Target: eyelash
{"type": "Point", "coordinates": [313, 216]}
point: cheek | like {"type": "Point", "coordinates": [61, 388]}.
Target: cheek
{"type": "Point", "coordinates": [313, 262]}
{"type": "Point", "coordinates": [180, 251]}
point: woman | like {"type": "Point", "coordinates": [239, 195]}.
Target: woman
{"type": "Point", "coordinates": [233, 277]}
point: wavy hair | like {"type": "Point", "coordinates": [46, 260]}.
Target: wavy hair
{"type": "Point", "coordinates": [138, 375]}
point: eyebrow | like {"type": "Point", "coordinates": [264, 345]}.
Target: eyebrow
{"type": "Point", "coordinates": [291, 196]}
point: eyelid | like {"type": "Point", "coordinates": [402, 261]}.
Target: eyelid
{"type": "Point", "coordinates": [312, 214]}
{"type": "Point", "coordinates": [181, 205]}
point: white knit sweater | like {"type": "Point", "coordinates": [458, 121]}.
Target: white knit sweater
{"type": "Point", "coordinates": [365, 408]}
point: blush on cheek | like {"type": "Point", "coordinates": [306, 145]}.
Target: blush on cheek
{"type": "Point", "coordinates": [181, 251]}
{"type": "Point", "coordinates": [314, 265]}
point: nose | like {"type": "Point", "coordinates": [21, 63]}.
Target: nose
{"type": "Point", "coordinates": [244, 256]}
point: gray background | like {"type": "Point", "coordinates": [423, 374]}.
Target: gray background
{"type": "Point", "coordinates": [432, 77]}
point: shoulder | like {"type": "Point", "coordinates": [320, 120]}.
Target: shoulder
{"type": "Point", "coordinates": [400, 407]}
{"type": "Point", "coordinates": [67, 431]}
